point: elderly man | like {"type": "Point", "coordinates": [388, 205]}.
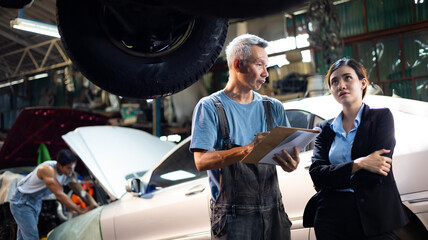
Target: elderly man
{"type": "Point", "coordinates": [47, 178]}
{"type": "Point", "coordinates": [246, 201]}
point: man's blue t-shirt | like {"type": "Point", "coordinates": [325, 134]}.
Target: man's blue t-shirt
{"type": "Point", "coordinates": [244, 120]}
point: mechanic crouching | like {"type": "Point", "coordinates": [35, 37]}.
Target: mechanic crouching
{"type": "Point", "coordinates": [47, 178]}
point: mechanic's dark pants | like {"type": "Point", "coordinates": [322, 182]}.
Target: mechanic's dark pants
{"type": "Point", "coordinates": [337, 218]}
{"type": "Point", "coordinates": [249, 205]}
{"type": "Point", "coordinates": [25, 209]}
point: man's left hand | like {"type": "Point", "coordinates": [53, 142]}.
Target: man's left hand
{"type": "Point", "coordinates": [287, 162]}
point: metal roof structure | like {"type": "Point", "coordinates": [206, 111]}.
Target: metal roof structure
{"type": "Point", "coordinates": [24, 53]}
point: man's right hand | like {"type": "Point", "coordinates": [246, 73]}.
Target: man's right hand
{"type": "Point", "coordinates": [258, 139]}
{"type": "Point", "coordinates": [82, 210]}
{"type": "Point", "coordinates": [90, 207]}
{"type": "Point", "coordinates": [87, 209]}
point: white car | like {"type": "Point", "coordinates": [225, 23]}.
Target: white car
{"type": "Point", "coordinates": [127, 152]}
{"type": "Point", "coordinates": [172, 200]}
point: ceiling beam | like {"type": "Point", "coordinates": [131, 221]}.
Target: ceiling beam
{"type": "Point", "coordinates": [40, 14]}
{"type": "Point", "coordinates": [22, 42]}
{"type": "Point", "coordinates": [3, 68]}
{"type": "Point", "coordinates": [13, 38]}
{"type": "Point", "coordinates": [43, 5]}
{"type": "Point", "coordinates": [16, 71]}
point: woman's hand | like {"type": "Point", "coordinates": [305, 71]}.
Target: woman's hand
{"type": "Point", "coordinates": [375, 163]}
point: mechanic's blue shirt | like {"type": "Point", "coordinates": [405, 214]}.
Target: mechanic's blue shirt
{"type": "Point", "coordinates": [244, 120]}
{"type": "Point", "coordinates": [340, 151]}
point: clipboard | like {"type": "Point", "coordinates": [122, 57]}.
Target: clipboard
{"type": "Point", "coordinates": [278, 139]}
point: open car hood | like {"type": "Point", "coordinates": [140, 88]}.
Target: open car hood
{"type": "Point", "coordinates": [114, 154]}
{"type": "Point", "coordinates": [37, 125]}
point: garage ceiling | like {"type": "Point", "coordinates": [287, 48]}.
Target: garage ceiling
{"type": "Point", "coordinates": [24, 53]}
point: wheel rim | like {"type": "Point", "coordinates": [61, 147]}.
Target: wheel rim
{"type": "Point", "coordinates": [143, 30]}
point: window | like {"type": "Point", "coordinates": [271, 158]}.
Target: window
{"type": "Point", "coordinates": [415, 49]}
{"type": "Point", "coordinates": [366, 55]}
{"type": "Point", "coordinates": [298, 118]}
{"type": "Point", "coordinates": [179, 167]}
{"type": "Point", "coordinates": [317, 120]}
{"type": "Point", "coordinates": [382, 14]}
{"type": "Point", "coordinates": [422, 89]}
{"type": "Point", "coordinates": [302, 119]}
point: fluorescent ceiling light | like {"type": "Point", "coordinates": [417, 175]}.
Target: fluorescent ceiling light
{"type": "Point", "coordinates": [35, 26]}
{"type": "Point", "coordinates": [38, 76]}
{"type": "Point", "coordinates": [11, 83]}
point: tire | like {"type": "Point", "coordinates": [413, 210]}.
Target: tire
{"type": "Point", "coordinates": [236, 8]}
{"type": "Point", "coordinates": [414, 230]}
{"type": "Point", "coordinates": [128, 60]}
{"type": "Point", "coordinates": [8, 227]}
{"type": "Point", "coordinates": [16, 3]}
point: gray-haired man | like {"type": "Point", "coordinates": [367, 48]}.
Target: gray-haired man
{"type": "Point", "coordinates": [246, 200]}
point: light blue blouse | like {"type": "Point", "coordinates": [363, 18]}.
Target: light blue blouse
{"type": "Point", "coordinates": [340, 151]}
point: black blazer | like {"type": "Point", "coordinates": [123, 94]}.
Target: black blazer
{"type": "Point", "coordinates": [377, 196]}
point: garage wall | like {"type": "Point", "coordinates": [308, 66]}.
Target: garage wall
{"type": "Point", "coordinates": [389, 37]}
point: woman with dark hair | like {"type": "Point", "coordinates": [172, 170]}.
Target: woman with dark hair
{"type": "Point", "coordinates": [351, 164]}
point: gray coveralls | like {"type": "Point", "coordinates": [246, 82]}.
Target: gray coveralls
{"type": "Point", "coordinates": [249, 205]}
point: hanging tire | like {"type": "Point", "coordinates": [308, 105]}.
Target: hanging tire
{"type": "Point", "coordinates": [235, 8]}
{"type": "Point", "coordinates": [16, 3]}
{"type": "Point", "coordinates": [138, 51]}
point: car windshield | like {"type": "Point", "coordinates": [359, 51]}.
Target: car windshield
{"type": "Point", "coordinates": [179, 167]}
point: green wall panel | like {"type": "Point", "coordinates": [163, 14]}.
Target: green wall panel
{"type": "Point", "coordinates": [401, 88]}
{"type": "Point", "coordinates": [322, 67]}
{"type": "Point", "coordinates": [383, 14]}
{"type": "Point", "coordinates": [351, 17]}
{"type": "Point", "coordinates": [421, 10]}
{"type": "Point", "coordinates": [39, 88]}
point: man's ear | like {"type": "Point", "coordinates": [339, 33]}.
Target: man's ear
{"type": "Point", "coordinates": [237, 64]}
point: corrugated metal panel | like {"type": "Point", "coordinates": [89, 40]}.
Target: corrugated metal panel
{"type": "Point", "coordinates": [322, 67]}
{"type": "Point", "coordinates": [401, 88]}
{"type": "Point", "coordinates": [421, 10]}
{"type": "Point", "coordinates": [350, 13]}
{"type": "Point", "coordinates": [384, 14]}
{"type": "Point", "coordinates": [347, 52]}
